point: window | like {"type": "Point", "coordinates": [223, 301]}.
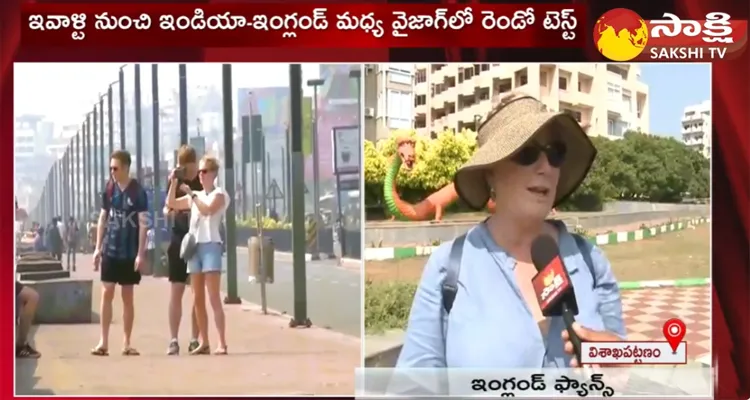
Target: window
{"type": "Point", "coordinates": [398, 124]}
{"type": "Point", "coordinates": [484, 94]}
{"type": "Point", "coordinates": [611, 127]}
{"type": "Point", "coordinates": [485, 67]}
{"type": "Point", "coordinates": [563, 83]}
{"type": "Point", "coordinates": [420, 100]}
{"type": "Point", "coordinates": [399, 77]}
{"type": "Point", "coordinates": [420, 76]}
{"type": "Point", "coordinates": [399, 107]}
{"type": "Point", "coordinates": [627, 102]}
{"type": "Point", "coordinates": [543, 79]}
{"type": "Point", "coordinates": [612, 94]}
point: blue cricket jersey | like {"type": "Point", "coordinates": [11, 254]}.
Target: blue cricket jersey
{"type": "Point", "coordinates": [122, 207]}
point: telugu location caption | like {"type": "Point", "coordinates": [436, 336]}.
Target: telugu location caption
{"type": "Point", "coordinates": [672, 351]}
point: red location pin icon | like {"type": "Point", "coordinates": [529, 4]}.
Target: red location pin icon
{"type": "Point", "coordinates": [674, 331]}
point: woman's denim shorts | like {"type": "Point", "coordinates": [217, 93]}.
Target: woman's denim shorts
{"type": "Point", "coordinates": [207, 258]}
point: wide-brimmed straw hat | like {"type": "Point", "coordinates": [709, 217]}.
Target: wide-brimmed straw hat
{"type": "Point", "coordinates": [506, 130]}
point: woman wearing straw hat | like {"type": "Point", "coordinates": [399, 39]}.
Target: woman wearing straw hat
{"type": "Point", "coordinates": [528, 161]}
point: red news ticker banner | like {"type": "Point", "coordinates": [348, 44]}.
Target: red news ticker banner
{"type": "Point", "coordinates": [303, 25]}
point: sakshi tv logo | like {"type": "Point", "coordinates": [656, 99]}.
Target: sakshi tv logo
{"type": "Point", "coordinates": [622, 35]}
{"type": "Point", "coordinates": [552, 282]}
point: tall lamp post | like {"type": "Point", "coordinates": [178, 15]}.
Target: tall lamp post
{"type": "Point", "coordinates": [122, 106]}
{"type": "Point", "coordinates": [314, 83]}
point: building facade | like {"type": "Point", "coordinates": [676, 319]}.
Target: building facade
{"type": "Point", "coordinates": [696, 127]}
{"type": "Point", "coordinates": [389, 99]}
{"type": "Point", "coordinates": [608, 98]}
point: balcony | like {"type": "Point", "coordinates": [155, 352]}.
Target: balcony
{"type": "Point", "coordinates": [423, 131]}
{"type": "Point", "coordinates": [692, 129]}
{"type": "Point", "coordinates": [693, 137]}
{"type": "Point", "coordinates": [422, 88]}
{"type": "Point", "coordinates": [588, 69]}
{"type": "Point", "coordinates": [439, 75]}
{"type": "Point", "coordinates": [567, 96]}
{"type": "Point", "coordinates": [641, 87]}
{"type": "Point", "coordinates": [692, 118]}
{"type": "Point", "coordinates": [450, 70]}
{"type": "Point", "coordinates": [439, 99]}
{"type": "Point", "coordinates": [421, 109]}
{"type": "Point", "coordinates": [468, 114]}
{"type": "Point", "coordinates": [438, 124]}
{"type": "Point", "coordinates": [466, 88]}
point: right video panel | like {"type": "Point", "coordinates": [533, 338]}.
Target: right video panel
{"type": "Point", "coordinates": [537, 216]}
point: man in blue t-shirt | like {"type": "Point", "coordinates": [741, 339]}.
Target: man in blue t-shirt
{"type": "Point", "coordinates": [120, 246]}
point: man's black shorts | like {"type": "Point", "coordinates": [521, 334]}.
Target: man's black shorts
{"type": "Point", "coordinates": [120, 271]}
{"type": "Point", "coordinates": [177, 266]}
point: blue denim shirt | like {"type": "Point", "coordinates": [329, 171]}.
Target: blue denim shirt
{"type": "Point", "coordinates": [490, 325]}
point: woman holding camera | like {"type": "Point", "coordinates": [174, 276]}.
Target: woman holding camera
{"type": "Point", "coordinates": [207, 208]}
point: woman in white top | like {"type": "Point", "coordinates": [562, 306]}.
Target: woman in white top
{"type": "Point", "coordinates": [207, 208]}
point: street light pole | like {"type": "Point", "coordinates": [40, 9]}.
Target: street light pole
{"type": "Point", "coordinates": [77, 176]}
{"type": "Point", "coordinates": [111, 119]}
{"type": "Point", "coordinates": [316, 164]}
{"type": "Point", "coordinates": [159, 268]}
{"type": "Point", "coordinates": [138, 131]}
{"type": "Point", "coordinates": [86, 169]}
{"type": "Point", "coordinates": [182, 72]}
{"type": "Point", "coordinates": [297, 173]}
{"type": "Point", "coordinates": [122, 107]}
{"type": "Point", "coordinates": [95, 153]}
{"type": "Point", "coordinates": [103, 171]}
{"type": "Point", "coordinates": [230, 220]}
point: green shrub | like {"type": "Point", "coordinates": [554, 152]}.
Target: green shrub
{"type": "Point", "coordinates": [387, 305]}
{"type": "Point", "coordinates": [268, 223]}
{"type": "Point", "coordinates": [639, 167]}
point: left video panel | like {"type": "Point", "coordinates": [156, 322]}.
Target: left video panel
{"type": "Point", "coordinates": [250, 172]}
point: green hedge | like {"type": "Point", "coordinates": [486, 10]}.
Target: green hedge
{"type": "Point", "coordinates": [638, 167]}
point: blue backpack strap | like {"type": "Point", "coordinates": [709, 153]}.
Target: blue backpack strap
{"type": "Point", "coordinates": [585, 250]}
{"type": "Point", "coordinates": [450, 282]}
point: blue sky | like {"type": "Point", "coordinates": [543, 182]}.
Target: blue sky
{"type": "Point", "coordinates": [672, 87]}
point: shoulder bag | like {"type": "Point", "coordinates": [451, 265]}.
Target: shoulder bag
{"type": "Point", "coordinates": [189, 243]}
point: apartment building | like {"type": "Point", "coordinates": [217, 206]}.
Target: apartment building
{"type": "Point", "coordinates": [609, 98]}
{"type": "Point", "coordinates": [389, 102]}
{"type": "Point", "coordinates": [696, 127]}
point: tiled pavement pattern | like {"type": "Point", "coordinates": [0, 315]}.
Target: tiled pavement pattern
{"type": "Point", "coordinates": [266, 357]}
{"type": "Point", "coordinates": [646, 310]}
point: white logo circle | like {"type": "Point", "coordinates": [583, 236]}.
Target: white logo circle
{"type": "Point", "coordinates": [674, 330]}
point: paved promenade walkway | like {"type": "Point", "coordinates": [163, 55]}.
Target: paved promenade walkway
{"type": "Point", "coordinates": [266, 357]}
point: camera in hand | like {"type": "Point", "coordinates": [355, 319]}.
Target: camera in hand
{"type": "Point", "coordinates": [179, 173]}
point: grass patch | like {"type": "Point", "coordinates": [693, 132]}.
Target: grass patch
{"type": "Point", "coordinates": [387, 305]}
{"type": "Point", "coordinates": [390, 284]}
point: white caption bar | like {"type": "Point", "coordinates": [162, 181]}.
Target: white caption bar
{"type": "Point", "coordinates": [633, 353]}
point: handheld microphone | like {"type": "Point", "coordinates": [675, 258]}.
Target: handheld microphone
{"type": "Point", "coordinates": [553, 288]}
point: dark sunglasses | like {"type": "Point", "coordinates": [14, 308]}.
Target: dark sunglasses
{"type": "Point", "coordinates": [529, 154]}
{"type": "Point", "coordinates": [205, 171]}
